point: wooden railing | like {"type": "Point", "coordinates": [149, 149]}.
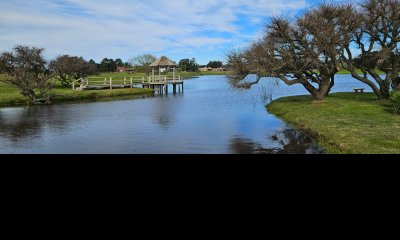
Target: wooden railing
{"type": "Point", "coordinates": [107, 81]}
{"type": "Point", "coordinates": [110, 81]}
{"type": "Point", "coordinates": [164, 79]}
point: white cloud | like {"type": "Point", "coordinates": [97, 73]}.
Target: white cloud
{"type": "Point", "coordinates": [124, 28]}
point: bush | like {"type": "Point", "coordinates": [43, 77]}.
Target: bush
{"type": "Point", "coordinates": [395, 98]}
{"type": "Point", "coordinates": [25, 67]}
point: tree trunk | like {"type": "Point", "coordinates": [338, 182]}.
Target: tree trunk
{"type": "Point", "coordinates": [318, 94]}
{"type": "Point", "coordinates": [330, 85]}
{"type": "Point", "coordinates": [322, 91]}
{"type": "Point", "coordinates": [385, 90]}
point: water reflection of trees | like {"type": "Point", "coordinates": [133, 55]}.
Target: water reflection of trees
{"type": "Point", "coordinates": [289, 141]}
{"type": "Point", "coordinates": [19, 125]}
{"type": "Point", "coordinates": [23, 123]}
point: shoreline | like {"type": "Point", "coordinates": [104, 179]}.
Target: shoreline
{"type": "Point", "coordinates": [71, 96]}
{"type": "Point", "coordinates": [345, 123]}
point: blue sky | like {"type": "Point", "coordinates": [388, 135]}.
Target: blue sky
{"type": "Point", "coordinates": [203, 29]}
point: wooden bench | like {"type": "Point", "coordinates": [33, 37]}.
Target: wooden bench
{"type": "Point", "coordinates": [359, 90]}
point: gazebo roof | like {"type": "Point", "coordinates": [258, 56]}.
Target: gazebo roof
{"type": "Point", "coordinates": [163, 62]}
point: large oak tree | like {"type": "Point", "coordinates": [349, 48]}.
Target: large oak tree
{"type": "Point", "coordinates": [302, 52]}
{"type": "Point", "coordinates": [374, 45]}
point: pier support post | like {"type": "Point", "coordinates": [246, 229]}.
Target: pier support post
{"type": "Point", "coordinates": [174, 88]}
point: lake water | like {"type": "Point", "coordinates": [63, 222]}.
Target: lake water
{"type": "Point", "coordinates": [209, 117]}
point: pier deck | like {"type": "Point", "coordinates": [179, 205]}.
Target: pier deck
{"type": "Point", "coordinates": [160, 83]}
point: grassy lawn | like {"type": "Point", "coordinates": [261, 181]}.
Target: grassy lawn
{"type": "Point", "coordinates": [345, 122]}
{"type": "Point", "coordinates": [10, 96]}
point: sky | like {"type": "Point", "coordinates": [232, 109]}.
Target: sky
{"type": "Point", "coordinates": [202, 29]}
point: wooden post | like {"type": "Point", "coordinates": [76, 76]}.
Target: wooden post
{"type": "Point", "coordinates": [124, 80]}
{"type": "Point", "coordinates": [73, 85]}
{"type": "Point", "coordinates": [110, 82]}
{"type": "Point", "coordinates": [131, 83]}
{"type": "Point", "coordinates": [174, 88]}
{"type": "Point", "coordinates": [105, 80]}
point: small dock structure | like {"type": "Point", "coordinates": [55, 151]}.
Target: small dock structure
{"type": "Point", "coordinates": [159, 81]}
{"type": "Point", "coordinates": [163, 78]}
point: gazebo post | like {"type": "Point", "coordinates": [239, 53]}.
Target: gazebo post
{"type": "Point", "coordinates": [159, 73]}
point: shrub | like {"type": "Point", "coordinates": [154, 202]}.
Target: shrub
{"type": "Point", "coordinates": [25, 67]}
{"type": "Point", "coordinates": [395, 98]}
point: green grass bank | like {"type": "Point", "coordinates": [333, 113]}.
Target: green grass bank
{"type": "Point", "coordinates": [10, 96]}
{"type": "Point", "coordinates": [344, 122]}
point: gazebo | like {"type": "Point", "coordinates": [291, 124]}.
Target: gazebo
{"type": "Point", "coordinates": [162, 63]}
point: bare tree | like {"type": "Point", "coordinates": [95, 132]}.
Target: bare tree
{"type": "Point", "coordinates": [25, 68]}
{"type": "Point", "coordinates": [304, 52]}
{"type": "Point", "coordinates": [142, 62]}
{"type": "Point", "coordinates": [377, 37]}
{"type": "Point", "coordinates": [68, 69]}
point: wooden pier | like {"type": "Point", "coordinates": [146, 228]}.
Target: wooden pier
{"type": "Point", "coordinates": [159, 83]}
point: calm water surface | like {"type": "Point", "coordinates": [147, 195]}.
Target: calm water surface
{"type": "Point", "coordinates": [209, 117]}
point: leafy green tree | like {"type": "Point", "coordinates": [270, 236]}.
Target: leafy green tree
{"type": "Point", "coordinates": [119, 62]}
{"type": "Point", "coordinates": [214, 64]}
{"type": "Point", "coordinates": [187, 64]}
{"type": "Point", "coordinates": [193, 66]}
{"type": "Point", "coordinates": [108, 65]}
{"type": "Point", "coordinates": [184, 64]}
